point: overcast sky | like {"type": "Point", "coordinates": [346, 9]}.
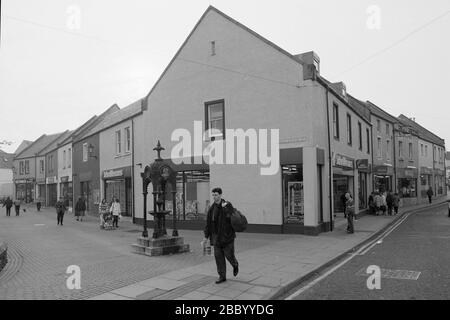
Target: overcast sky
{"type": "Point", "coordinates": [62, 61]}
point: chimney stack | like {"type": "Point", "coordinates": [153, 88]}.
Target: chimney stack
{"type": "Point", "coordinates": [311, 64]}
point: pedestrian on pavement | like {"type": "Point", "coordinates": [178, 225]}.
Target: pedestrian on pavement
{"type": "Point", "coordinates": [8, 204]}
{"type": "Point", "coordinates": [219, 231]}
{"type": "Point", "coordinates": [396, 202]}
{"type": "Point", "coordinates": [17, 204]}
{"type": "Point", "coordinates": [378, 202]}
{"type": "Point", "coordinates": [383, 203]}
{"type": "Point", "coordinates": [389, 202]}
{"type": "Point", "coordinates": [38, 205]}
{"type": "Point", "coordinates": [116, 212]}
{"type": "Point", "coordinates": [430, 194]}
{"type": "Point", "coordinates": [350, 209]}
{"type": "Point", "coordinates": [103, 210]}
{"type": "Point", "coordinates": [80, 208]}
{"type": "Point", "coordinates": [371, 204]}
{"type": "Point", "coordinates": [343, 201]}
{"type": "Point", "coordinates": [60, 210]}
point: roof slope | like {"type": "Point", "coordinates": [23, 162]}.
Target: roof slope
{"type": "Point", "coordinates": [38, 145]}
{"type": "Point", "coordinates": [54, 145]}
{"type": "Point", "coordinates": [116, 117]}
{"type": "Point", "coordinates": [380, 112]}
{"type": "Point", "coordinates": [360, 106]}
{"type": "Point", "coordinates": [423, 133]}
{"type": "Point", "coordinates": [25, 144]}
{"type": "Point", "coordinates": [85, 132]}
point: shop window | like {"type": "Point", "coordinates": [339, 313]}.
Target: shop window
{"type": "Point", "coordinates": [362, 192]}
{"type": "Point", "coordinates": [293, 195]}
{"type": "Point", "coordinates": [407, 188]}
{"type": "Point", "coordinates": [215, 119]}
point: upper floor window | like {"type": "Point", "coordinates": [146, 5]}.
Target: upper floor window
{"type": "Point", "coordinates": [336, 120]}
{"type": "Point", "coordinates": [118, 142]}
{"type": "Point", "coordinates": [21, 167]}
{"type": "Point", "coordinates": [127, 139]}
{"type": "Point", "coordinates": [27, 166]}
{"type": "Point", "coordinates": [69, 159]}
{"type": "Point", "coordinates": [421, 149]}
{"type": "Point", "coordinates": [349, 129]}
{"type": "Point", "coordinates": [378, 125]}
{"type": "Point", "coordinates": [379, 148]}
{"type": "Point", "coordinates": [215, 119]}
{"type": "Point", "coordinates": [85, 152]}
{"type": "Point", "coordinates": [64, 159]}
{"type": "Point", "coordinates": [400, 149]}
{"type": "Point", "coordinates": [41, 166]}
{"type": "Point", "coordinates": [410, 150]}
{"type": "Point", "coordinates": [426, 151]}
{"type": "Point", "coordinates": [360, 136]}
{"type": "Point", "coordinates": [388, 149]}
{"type": "Point", "coordinates": [368, 140]}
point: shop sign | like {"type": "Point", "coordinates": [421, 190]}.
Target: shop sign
{"type": "Point", "coordinates": [51, 180]}
{"type": "Point", "coordinates": [344, 162]}
{"type": "Point", "coordinates": [21, 181]}
{"type": "Point", "coordinates": [64, 179]}
{"type": "Point", "coordinates": [409, 173]}
{"type": "Point", "coordinates": [426, 171]}
{"type": "Point", "coordinates": [362, 164]}
{"type": "Point", "coordinates": [380, 170]}
{"type": "Point", "coordinates": [112, 173]}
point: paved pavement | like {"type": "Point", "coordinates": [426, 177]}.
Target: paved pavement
{"type": "Point", "coordinates": [414, 262]}
{"type": "Point", "coordinates": [40, 252]}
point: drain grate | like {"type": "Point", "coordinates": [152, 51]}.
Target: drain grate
{"type": "Point", "coordinates": [393, 274]}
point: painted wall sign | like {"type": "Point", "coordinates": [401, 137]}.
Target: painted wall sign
{"type": "Point", "coordinates": [51, 180]}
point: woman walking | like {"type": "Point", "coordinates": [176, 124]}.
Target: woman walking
{"type": "Point", "coordinates": [103, 210]}
{"type": "Point", "coordinates": [115, 210]}
{"type": "Point", "coordinates": [80, 208]}
{"type": "Point", "coordinates": [350, 209]}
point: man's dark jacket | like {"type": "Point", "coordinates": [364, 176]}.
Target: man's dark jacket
{"type": "Point", "coordinates": [8, 203]}
{"type": "Point", "coordinates": [60, 207]}
{"type": "Point", "coordinates": [219, 229]}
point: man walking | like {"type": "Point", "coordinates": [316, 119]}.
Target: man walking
{"type": "Point", "coordinates": [350, 209]}
{"type": "Point", "coordinates": [430, 194]}
{"type": "Point", "coordinates": [60, 210]}
{"type": "Point", "coordinates": [17, 204]}
{"type": "Point", "coordinates": [221, 234]}
{"type": "Point", "coordinates": [8, 204]}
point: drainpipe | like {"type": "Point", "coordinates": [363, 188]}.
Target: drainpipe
{"type": "Point", "coordinates": [330, 173]}
{"type": "Point", "coordinates": [395, 159]}
{"type": "Point", "coordinates": [372, 152]}
{"type": "Point", "coordinates": [132, 165]}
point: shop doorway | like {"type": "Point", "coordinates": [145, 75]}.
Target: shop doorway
{"type": "Point", "coordinates": [341, 185]}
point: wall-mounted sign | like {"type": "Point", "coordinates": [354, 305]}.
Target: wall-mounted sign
{"type": "Point", "coordinates": [362, 164]}
{"type": "Point", "coordinates": [344, 162]}
{"type": "Point", "coordinates": [65, 179]}
{"type": "Point", "coordinates": [112, 174]}
{"type": "Point", "coordinates": [51, 180]}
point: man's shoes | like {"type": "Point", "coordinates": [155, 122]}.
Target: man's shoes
{"type": "Point", "coordinates": [235, 270]}
{"type": "Point", "coordinates": [221, 280]}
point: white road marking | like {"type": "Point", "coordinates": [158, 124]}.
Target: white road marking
{"type": "Point", "coordinates": [360, 251]}
{"type": "Point", "coordinates": [39, 225]}
{"type": "Point", "coordinates": [394, 274]}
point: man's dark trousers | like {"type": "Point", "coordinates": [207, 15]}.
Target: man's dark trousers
{"type": "Point", "coordinates": [220, 253]}
{"type": "Point", "coordinates": [60, 217]}
{"type": "Point", "coordinates": [350, 227]}
{"type": "Point", "coordinates": [8, 211]}
{"type": "Point", "coordinates": [17, 210]}
{"type": "Point", "coordinates": [429, 198]}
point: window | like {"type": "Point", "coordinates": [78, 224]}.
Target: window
{"type": "Point", "coordinates": [41, 166]}
{"type": "Point", "coordinates": [127, 139]}
{"type": "Point", "coordinates": [388, 148]}
{"type": "Point", "coordinates": [64, 159]}
{"type": "Point", "coordinates": [69, 159]}
{"type": "Point", "coordinates": [421, 149]}
{"type": "Point", "coordinates": [213, 48]}
{"type": "Point", "coordinates": [400, 149]}
{"type": "Point", "coordinates": [410, 150]}
{"type": "Point", "coordinates": [215, 119]}
{"type": "Point", "coordinates": [360, 136]}
{"type": "Point", "coordinates": [21, 171]}
{"type": "Point", "coordinates": [85, 152]}
{"type": "Point", "coordinates": [378, 125]}
{"type": "Point", "coordinates": [118, 142]}
{"type": "Point", "coordinates": [27, 166]}
{"type": "Point", "coordinates": [336, 121]}
{"type": "Point", "coordinates": [426, 151]}
{"type": "Point", "coordinates": [434, 154]}
{"type": "Point", "coordinates": [368, 140]}
{"type": "Point", "coordinates": [387, 129]}
{"type": "Point", "coordinates": [349, 129]}
{"type": "Point", "coordinates": [380, 151]}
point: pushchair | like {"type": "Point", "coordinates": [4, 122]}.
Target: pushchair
{"type": "Point", "coordinates": [108, 221]}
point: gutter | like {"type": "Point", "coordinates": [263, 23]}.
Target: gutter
{"type": "Point", "coordinates": [330, 173]}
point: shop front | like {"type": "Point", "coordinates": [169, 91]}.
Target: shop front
{"type": "Point", "coordinates": [343, 181]}
{"type": "Point", "coordinates": [407, 185]}
{"type": "Point", "coordinates": [439, 181]}
{"type": "Point", "coordinates": [426, 176]}
{"type": "Point", "coordinates": [383, 178]}
{"type": "Point", "coordinates": [41, 191]}
{"type": "Point", "coordinates": [66, 190]}
{"type": "Point", "coordinates": [52, 190]}
{"type": "Point", "coordinates": [25, 190]}
{"type": "Point", "coordinates": [364, 169]}
{"type": "Point", "coordinates": [117, 185]}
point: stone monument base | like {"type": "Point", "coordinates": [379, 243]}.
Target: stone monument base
{"type": "Point", "coordinates": [161, 246]}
